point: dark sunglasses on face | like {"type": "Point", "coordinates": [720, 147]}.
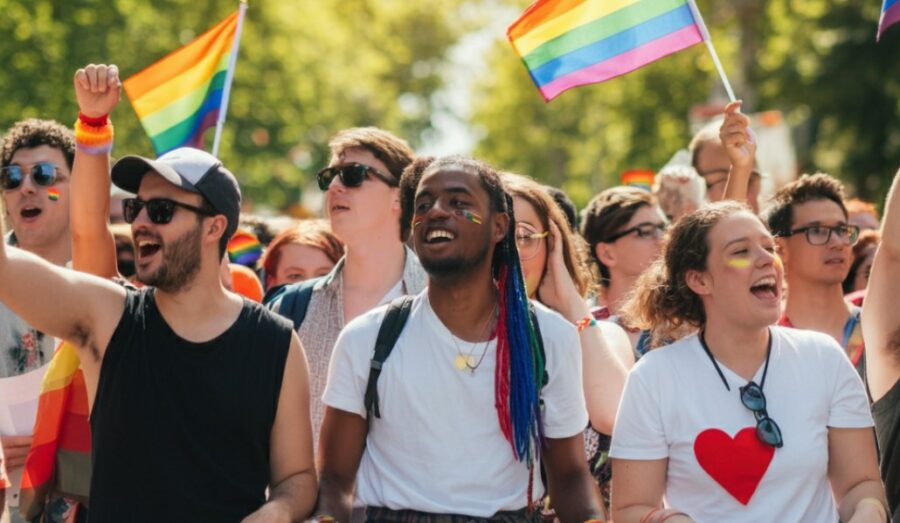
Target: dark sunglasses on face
{"type": "Point", "coordinates": [351, 175]}
{"type": "Point", "coordinates": [644, 231]}
{"type": "Point", "coordinates": [821, 235]}
{"type": "Point", "coordinates": [767, 430]}
{"type": "Point", "coordinates": [12, 176]}
{"type": "Point", "coordinates": [159, 210]}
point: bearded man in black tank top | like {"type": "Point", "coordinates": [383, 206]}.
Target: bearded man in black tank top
{"type": "Point", "coordinates": [881, 330]}
{"type": "Point", "coordinates": [202, 397]}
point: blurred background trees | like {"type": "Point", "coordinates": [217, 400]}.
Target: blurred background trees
{"type": "Point", "coordinates": [308, 69]}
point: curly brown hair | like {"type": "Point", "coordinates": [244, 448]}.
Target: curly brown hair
{"type": "Point", "coordinates": [779, 216]}
{"type": "Point", "coordinates": [661, 299]}
{"type": "Point", "coordinates": [30, 133]}
{"type": "Point", "coordinates": [574, 248]}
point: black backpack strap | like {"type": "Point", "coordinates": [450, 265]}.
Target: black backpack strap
{"type": "Point", "coordinates": [292, 300]}
{"type": "Point", "coordinates": [391, 327]}
{"type": "Point", "coordinates": [545, 377]}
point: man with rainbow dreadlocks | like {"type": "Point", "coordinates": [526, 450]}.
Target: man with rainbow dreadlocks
{"type": "Point", "coordinates": [474, 396]}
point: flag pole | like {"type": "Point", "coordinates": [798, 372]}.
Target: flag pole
{"type": "Point", "coordinates": [712, 50]}
{"type": "Point", "coordinates": [229, 76]}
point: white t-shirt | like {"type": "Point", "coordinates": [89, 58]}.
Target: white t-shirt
{"type": "Point", "coordinates": [675, 406]}
{"type": "Point", "coordinates": [438, 446]}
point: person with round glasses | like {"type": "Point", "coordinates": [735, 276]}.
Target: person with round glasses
{"type": "Point", "coordinates": [624, 228]}
{"type": "Point", "coordinates": [557, 275]}
{"type": "Point", "coordinates": [742, 421]}
{"type": "Point", "coordinates": [815, 240]}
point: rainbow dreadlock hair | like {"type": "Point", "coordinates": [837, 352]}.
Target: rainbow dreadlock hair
{"type": "Point", "coordinates": [520, 366]}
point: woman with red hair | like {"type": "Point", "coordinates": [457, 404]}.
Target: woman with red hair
{"type": "Point", "coordinates": [308, 250]}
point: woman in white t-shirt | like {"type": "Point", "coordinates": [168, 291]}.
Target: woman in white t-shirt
{"type": "Point", "coordinates": [741, 422]}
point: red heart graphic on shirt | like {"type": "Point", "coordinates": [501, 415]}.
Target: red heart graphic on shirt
{"type": "Point", "coordinates": [737, 464]}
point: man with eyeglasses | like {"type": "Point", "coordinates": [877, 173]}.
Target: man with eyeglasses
{"type": "Point", "coordinates": [35, 166]}
{"type": "Point", "coordinates": [362, 203]}
{"type": "Point", "coordinates": [710, 158]}
{"type": "Point", "coordinates": [881, 322]}
{"type": "Point", "coordinates": [201, 397]}
{"type": "Point", "coordinates": [808, 218]}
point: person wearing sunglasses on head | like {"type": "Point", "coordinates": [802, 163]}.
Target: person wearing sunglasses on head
{"type": "Point", "coordinates": [35, 169]}
{"type": "Point", "coordinates": [882, 333]}
{"type": "Point", "coordinates": [743, 421]}
{"type": "Point", "coordinates": [187, 375]}
{"type": "Point", "coordinates": [554, 264]}
{"type": "Point", "coordinates": [624, 228]}
{"type": "Point", "coordinates": [808, 218]}
{"type": "Point", "coordinates": [362, 204]}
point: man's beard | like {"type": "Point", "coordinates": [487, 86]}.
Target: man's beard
{"type": "Point", "coordinates": [453, 265]}
{"type": "Point", "coordinates": [180, 263]}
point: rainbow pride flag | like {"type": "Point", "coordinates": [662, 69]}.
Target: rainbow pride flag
{"type": "Point", "coordinates": [59, 461]}
{"type": "Point", "coordinates": [244, 248]}
{"type": "Point", "coordinates": [890, 15]}
{"type": "Point", "coordinates": [181, 95]}
{"type": "Point", "coordinates": [639, 178]}
{"type": "Point", "coordinates": [568, 43]}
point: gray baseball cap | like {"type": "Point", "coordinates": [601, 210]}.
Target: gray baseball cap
{"type": "Point", "coordinates": [190, 169]}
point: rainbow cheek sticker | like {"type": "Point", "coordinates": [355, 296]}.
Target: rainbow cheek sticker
{"type": "Point", "coordinates": [472, 217]}
{"type": "Point", "coordinates": [417, 220]}
{"type": "Point", "coordinates": [53, 194]}
{"type": "Point", "coordinates": [738, 263]}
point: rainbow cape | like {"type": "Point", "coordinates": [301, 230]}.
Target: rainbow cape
{"type": "Point", "coordinates": [180, 96]}
{"type": "Point", "coordinates": [568, 43]}
{"type": "Point", "coordinates": [59, 461]}
{"type": "Point", "coordinates": [890, 15]}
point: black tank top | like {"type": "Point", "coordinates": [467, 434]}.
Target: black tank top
{"type": "Point", "coordinates": [180, 429]}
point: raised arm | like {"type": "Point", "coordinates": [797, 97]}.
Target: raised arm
{"type": "Point", "coordinates": [741, 148]}
{"type": "Point", "coordinates": [77, 307]}
{"type": "Point", "coordinates": [97, 89]}
{"type": "Point", "coordinates": [880, 321]}
{"type": "Point", "coordinates": [293, 472]}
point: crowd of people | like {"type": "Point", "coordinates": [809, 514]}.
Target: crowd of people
{"type": "Point", "coordinates": [451, 343]}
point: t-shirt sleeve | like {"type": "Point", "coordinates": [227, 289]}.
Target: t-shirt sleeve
{"type": "Point", "coordinates": [565, 413]}
{"type": "Point", "coordinates": [639, 431]}
{"type": "Point", "coordinates": [348, 372]}
{"type": "Point", "coordinates": [849, 403]}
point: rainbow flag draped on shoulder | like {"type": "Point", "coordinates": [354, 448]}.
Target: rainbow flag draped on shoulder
{"type": "Point", "coordinates": [569, 43]}
{"type": "Point", "coordinates": [890, 15]}
{"type": "Point", "coordinates": [59, 461]}
{"type": "Point", "coordinates": [181, 95]}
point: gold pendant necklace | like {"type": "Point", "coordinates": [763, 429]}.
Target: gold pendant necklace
{"type": "Point", "coordinates": [467, 361]}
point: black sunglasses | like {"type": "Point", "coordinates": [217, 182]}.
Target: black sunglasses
{"type": "Point", "coordinates": [767, 430]}
{"type": "Point", "coordinates": [351, 175]}
{"type": "Point", "coordinates": [159, 210]}
{"type": "Point", "coordinates": [643, 230]}
{"type": "Point", "coordinates": [12, 176]}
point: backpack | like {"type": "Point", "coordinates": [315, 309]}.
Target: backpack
{"type": "Point", "coordinates": [391, 327]}
{"type": "Point", "coordinates": [291, 300]}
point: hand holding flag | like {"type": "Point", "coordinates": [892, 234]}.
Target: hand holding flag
{"type": "Point", "coordinates": [737, 137]}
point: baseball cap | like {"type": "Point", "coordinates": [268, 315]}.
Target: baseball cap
{"type": "Point", "coordinates": [190, 169]}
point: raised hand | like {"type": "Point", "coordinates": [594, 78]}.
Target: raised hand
{"type": "Point", "coordinates": [97, 89]}
{"type": "Point", "coordinates": [557, 289]}
{"type": "Point", "coordinates": [738, 138]}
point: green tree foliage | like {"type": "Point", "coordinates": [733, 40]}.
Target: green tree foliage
{"type": "Point", "coordinates": [306, 70]}
{"type": "Point", "coordinates": [815, 60]}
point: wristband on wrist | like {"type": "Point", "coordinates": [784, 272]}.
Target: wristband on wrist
{"type": "Point", "coordinates": [93, 121]}
{"type": "Point", "coordinates": [583, 323]}
{"type": "Point", "coordinates": [93, 139]}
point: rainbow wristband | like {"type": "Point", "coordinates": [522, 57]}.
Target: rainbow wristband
{"type": "Point", "coordinates": [587, 321]}
{"type": "Point", "coordinates": [93, 139]}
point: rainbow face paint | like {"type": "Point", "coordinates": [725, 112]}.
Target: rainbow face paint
{"type": "Point", "coordinates": [738, 263]}
{"type": "Point", "coordinates": [417, 220]}
{"type": "Point", "coordinates": [53, 194]}
{"type": "Point", "coordinates": [472, 217]}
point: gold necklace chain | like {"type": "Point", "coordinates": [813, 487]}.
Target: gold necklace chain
{"type": "Point", "coordinates": [463, 361]}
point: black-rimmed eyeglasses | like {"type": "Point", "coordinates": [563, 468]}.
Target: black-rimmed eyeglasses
{"type": "Point", "coordinates": [821, 235]}
{"type": "Point", "coordinates": [767, 430]}
{"type": "Point", "coordinates": [643, 231]}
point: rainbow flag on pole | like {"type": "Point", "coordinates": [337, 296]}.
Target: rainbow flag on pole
{"type": "Point", "coordinates": [890, 15]}
{"type": "Point", "coordinates": [184, 93]}
{"type": "Point", "coordinates": [568, 43]}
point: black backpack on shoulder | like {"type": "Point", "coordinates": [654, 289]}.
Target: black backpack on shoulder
{"type": "Point", "coordinates": [291, 300]}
